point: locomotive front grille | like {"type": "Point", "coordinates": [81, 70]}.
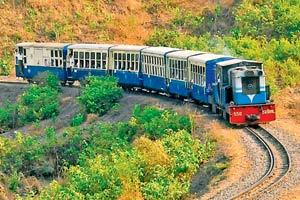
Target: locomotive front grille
{"type": "Point", "coordinates": [250, 85]}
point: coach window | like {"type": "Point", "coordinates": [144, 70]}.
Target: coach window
{"type": "Point", "coordinates": [148, 64]}
{"type": "Point", "coordinates": [75, 59]}
{"type": "Point", "coordinates": [124, 61]}
{"type": "Point", "coordinates": [144, 64]}
{"type": "Point", "coordinates": [25, 57]}
{"type": "Point", "coordinates": [153, 65]}
{"type": "Point", "coordinates": [104, 60]}
{"type": "Point", "coordinates": [98, 58]}
{"type": "Point", "coordinates": [132, 62]}
{"type": "Point", "coordinates": [118, 59]}
{"type": "Point", "coordinates": [52, 58]}
{"type": "Point", "coordinates": [178, 69]}
{"type": "Point", "coordinates": [127, 61]}
{"type": "Point", "coordinates": [178, 75]}
{"type": "Point", "coordinates": [203, 75]}
{"type": "Point", "coordinates": [87, 60]}
{"type": "Point", "coordinates": [93, 60]}
{"type": "Point", "coordinates": [81, 59]}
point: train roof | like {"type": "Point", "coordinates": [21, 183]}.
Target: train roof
{"type": "Point", "coordinates": [40, 45]}
{"type": "Point", "coordinates": [229, 62]}
{"type": "Point", "coordinates": [159, 50]}
{"type": "Point", "coordinates": [128, 47]}
{"type": "Point", "coordinates": [91, 46]}
{"type": "Point", "coordinates": [236, 61]}
{"type": "Point", "coordinates": [184, 54]}
{"type": "Point", "coordinates": [203, 58]}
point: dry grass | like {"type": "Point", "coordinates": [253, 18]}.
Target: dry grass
{"type": "Point", "coordinates": [288, 111]}
{"type": "Point", "coordinates": [101, 21]}
{"type": "Point", "coordinates": [292, 195]}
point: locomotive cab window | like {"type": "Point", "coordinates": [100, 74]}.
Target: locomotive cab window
{"type": "Point", "coordinates": [250, 85]}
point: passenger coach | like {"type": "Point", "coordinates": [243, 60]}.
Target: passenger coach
{"type": "Point", "coordinates": [178, 73]}
{"type": "Point", "coordinates": [125, 62]}
{"type": "Point", "coordinates": [87, 59]}
{"type": "Point", "coordinates": [35, 58]}
{"type": "Point", "coordinates": [154, 68]}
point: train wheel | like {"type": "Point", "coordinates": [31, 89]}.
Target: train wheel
{"type": "Point", "coordinates": [214, 108]}
{"type": "Point", "coordinates": [225, 115]}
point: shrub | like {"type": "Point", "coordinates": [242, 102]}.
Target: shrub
{"type": "Point", "coordinates": [97, 179]}
{"type": "Point", "coordinates": [184, 151]}
{"type": "Point", "coordinates": [4, 67]}
{"type": "Point", "coordinates": [152, 152]}
{"type": "Point", "coordinates": [155, 123]}
{"type": "Point", "coordinates": [14, 181]}
{"type": "Point", "coordinates": [100, 94]}
{"type": "Point", "coordinates": [77, 120]}
{"type": "Point", "coordinates": [38, 103]}
{"type": "Point", "coordinates": [21, 154]}
{"type": "Point", "coordinates": [8, 116]}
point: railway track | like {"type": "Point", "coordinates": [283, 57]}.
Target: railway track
{"type": "Point", "coordinates": [14, 82]}
{"type": "Point", "coordinates": [279, 164]}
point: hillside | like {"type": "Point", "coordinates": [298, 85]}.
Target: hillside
{"type": "Point", "coordinates": [109, 21]}
{"type": "Point", "coordinates": [98, 141]}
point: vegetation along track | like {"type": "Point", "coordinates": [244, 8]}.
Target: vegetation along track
{"type": "Point", "coordinates": [279, 164]}
{"type": "Point", "coordinates": [279, 161]}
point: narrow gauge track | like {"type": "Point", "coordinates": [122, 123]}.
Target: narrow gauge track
{"type": "Point", "coordinates": [14, 82]}
{"type": "Point", "coordinates": [279, 164]}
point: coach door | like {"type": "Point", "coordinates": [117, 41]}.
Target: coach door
{"type": "Point", "coordinates": [219, 84]}
{"type": "Point", "coordinates": [38, 56]}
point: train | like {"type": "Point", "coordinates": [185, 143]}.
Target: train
{"type": "Point", "coordinates": [232, 87]}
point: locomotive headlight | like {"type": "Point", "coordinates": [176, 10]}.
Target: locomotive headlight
{"type": "Point", "coordinates": [250, 86]}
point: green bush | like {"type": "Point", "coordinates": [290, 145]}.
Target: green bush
{"type": "Point", "coordinates": [20, 154]}
{"type": "Point", "coordinates": [97, 179]}
{"type": "Point", "coordinates": [156, 123]}
{"type": "Point", "coordinates": [100, 94]}
{"type": "Point", "coordinates": [274, 19]}
{"type": "Point", "coordinates": [77, 120]}
{"type": "Point", "coordinates": [38, 103]}
{"type": "Point", "coordinates": [4, 67]}
{"type": "Point", "coordinates": [14, 182]}
{"type": "Point", "coordinates": [8, 116]}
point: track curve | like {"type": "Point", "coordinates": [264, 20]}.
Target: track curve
{"type": "Point", "coordinates": [279, 164]}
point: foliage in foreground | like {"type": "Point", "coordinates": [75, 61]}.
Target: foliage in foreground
{"type": "Point", "coordinates": [100, 94]}
{"type": "Point", "coordinates": [37, 103]}
{"type": "Point", "coordinates": [105, 161]}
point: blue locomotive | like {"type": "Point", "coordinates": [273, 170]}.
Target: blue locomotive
{"type": "Point", "coordinates": [234, 88]}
